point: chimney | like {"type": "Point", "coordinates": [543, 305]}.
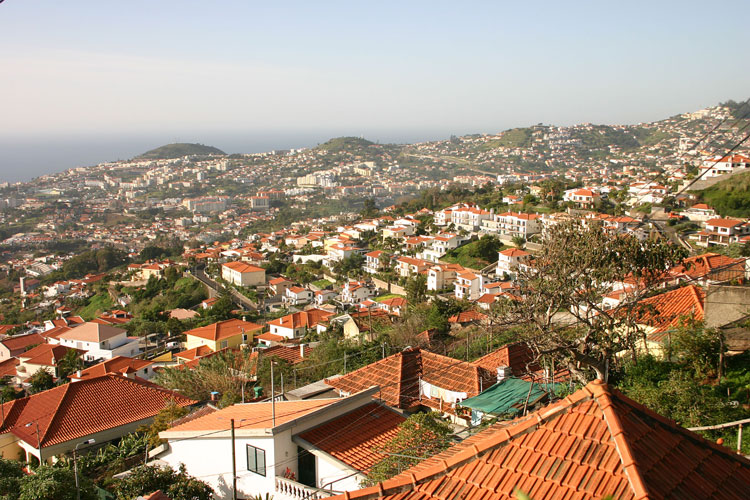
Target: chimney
{"type": "Point", "coordinates": [503, 372]}
{"type": "Point", "coordinates": [22, 281]}
{"type": "Point", "coordinates": [302, 350]}
{"type": "Point", "coordinates": [214, 396]}
{"type": "Point", "coordinates": [78, 373]}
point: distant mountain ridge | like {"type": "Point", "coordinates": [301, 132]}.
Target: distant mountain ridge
{"type": "Point", "coordinates": [178, 150]}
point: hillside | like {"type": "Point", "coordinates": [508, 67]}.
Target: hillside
{"type": "Point", "coordinates": [729, 197]}
{"type": "Point", "coordinates": [345, 143]}
{"type": "Point", "coordinates": [178, 150]}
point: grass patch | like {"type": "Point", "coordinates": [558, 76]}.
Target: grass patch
{"type": "Point", "coordinates": [98, 304]}
{"type": "Point", "coordinates": [387, 296]}
{"type": "Point", "coordinates": [322, 284]}
{"type": "Point", "coordinates": [465, 256]}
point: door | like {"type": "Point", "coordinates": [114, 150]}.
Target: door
{"type": "Point", "coordinates": [306, 467]}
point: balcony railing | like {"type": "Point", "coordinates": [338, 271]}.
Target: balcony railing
{"type": "Point", "coordinates": [299, 491]}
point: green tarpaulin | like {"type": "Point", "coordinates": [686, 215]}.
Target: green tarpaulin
{"type": "Point", "coordinates": [507, 396]}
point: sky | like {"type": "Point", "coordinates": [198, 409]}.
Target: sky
{"type": "Point", "coordinates": [85, 81]}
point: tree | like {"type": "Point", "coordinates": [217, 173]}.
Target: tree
{"type": "Point", "coordinates": [519, 241]}
{"type": "Point", "coordinates": [177, 485]}
{"type": "Point", "coordinates": [698, 347]}
{"type": "Point", "coordinates": [11, 473]}
{"type": "Point", "coordinates": [370, 209]}
{"type": "Point", "coordinates": [486, 248]}
{"type": "Point", "coordinates": [561, 308]}
{"type": "Point", "coordinates": [162, 421]}
{"type": "Point", "coordinates": [40, 381]}
{"type": "Point", "coordinates": [55, 483]}
{"type": "Point", "coordinates": [421, 436]}
{"type": "Point", "coordinates": [69, 363]}
{"type": "Point", "coordinates": [416, 289]}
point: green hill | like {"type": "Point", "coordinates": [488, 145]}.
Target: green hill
{"type": "Point", "coordinates": [345, 143]}
{"type": "Point", "coordinates": [729, 197]}
{"type": "Point", "coordinates": [178, 150]}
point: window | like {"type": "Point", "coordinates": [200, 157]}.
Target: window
{"type": "Point", "coordinates": [256, 460]}
{"type": "Point", "coordinates": [223, 344]}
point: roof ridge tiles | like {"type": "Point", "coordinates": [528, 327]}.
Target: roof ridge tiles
{"type": "Point", "coordinates": [54, 413]}
{"type": "Point", "coordinates": [602, 396]}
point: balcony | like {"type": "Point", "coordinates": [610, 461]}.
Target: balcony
{"type": "Point", "coordinates": [289, 489]}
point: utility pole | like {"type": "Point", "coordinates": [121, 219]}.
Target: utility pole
{"type": "Point", "coordinates": [234, 465]}
{"type": "Point", "coordinates": [273, 399]}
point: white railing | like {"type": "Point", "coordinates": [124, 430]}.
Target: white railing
{"type": "Point", "coordinates": [298, 491]}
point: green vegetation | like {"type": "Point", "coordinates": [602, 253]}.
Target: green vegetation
{"type": "Point", "coordinates": [476, 254]}
{"type": "Point", "coordinates": [513, 138]}
{"type": "Point", "coordinates": [97, 304]}
{"type": "Point", "coordinates": [387, 296]}
{"type": "Point", "coordinates": [345, 143]}
{"type": "Point", "coordinates": [177, 485]}
{"type": "Point", "coordinates": [600, 137]}
{"type": "Point", "coordinates": [730, 197]}
{"type": "Point", "coordinates": [322, 284]}
{"type": "Point", "coordinates": [421, 436]}
{"type": "Point", "coordinates": [178, 150]}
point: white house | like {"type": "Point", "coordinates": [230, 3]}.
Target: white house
{"type": "Point", "coordinates": [375, 261]}
{"type": "Point", "coordinates": [442, 276]}
{"type": "Point", "coordinates": [508, 261]}
{"type": "Point", "coordinates": [297, 296]}
{"type": "Point", "coordinates": [355, 292]}
{"type": "Point", "coordinates": [583, 198]}
{"type": "Point", "coordinates": [243, 274]}
{"type": "Point", "coordinates": [468, 285]}
{"type": "Point", "coordinates": [275, 447]}
{"type": "Point", "coordinates": [721, 231]}
{"type": "Point", "coordinates": [295, 325]}
{"type": "Point", "coordinates": [440, 245]}
{"type": "Point", "coordinates": [100, 341]}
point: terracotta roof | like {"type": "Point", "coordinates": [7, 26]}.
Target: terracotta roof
{"type": "Point", "coordinates": [398, 376]}
{"type": "Point", "coordinates": [594, 443]}
{"type": "Point", "coordinates": [353, 437]}
{"type": "Point", "coordinates": [8, 367]}
{"type": "Point", "coordinates": [224, 329]}
{"type": "Point", "coordinates": [194, 353]}
{"type": "Point", "coordinates": [515, 356]}
{"type": "Point", "coordinates": [17, 342]}
{"type": "Point", "coordinates": [308, 318]}
{"type": "Point", "coordinates": [514, 252]}
{"type": "Point", "coordinates": [255, 416]}
{"type": "Point", "coordinates": [92, 332]}
{"type": "Point", "coordinates": [290, 354]}
{"type": "Point", "coordinates": [724, 222]}
{"type": "Point", "coordinates": [118, 364]}
{"type": "Point", "coordinates": [72, 411]}
{"type": "Point", "coordinates": [467, 317]}
{"type": "Point", "coordinates": [46, 354]}
{"type": "Point", "coordinates": [243, 267]}
{"type": "Point", "coordinates": [271, 337]}
{"type": "Point", "coordinates": [667, 310]}
{"type": "Point", "coordinates": [712, 266]}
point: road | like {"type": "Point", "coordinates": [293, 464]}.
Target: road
{"type": "Point", "coordinates": [218, 289]}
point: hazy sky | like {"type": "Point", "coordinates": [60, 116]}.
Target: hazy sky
{"type": "Point", "coordinates": [191, 69]}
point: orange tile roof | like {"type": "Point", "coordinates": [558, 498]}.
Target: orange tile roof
{"type": "Point", "coordinates": [594, 443]}
{"type": "Point", "coordinates": [224, 329]}
{"type": "Point", "coordinates": [724, 222]}
{"type": "Point", "coordinates": [46, 354]}
{"type": "Point", "coordinates": [17, 342]}
{"type": "Point", "coordinates": [398, 376]}
{"type": "Point", "coordinates": [255, 416]}
{"type": "Point", "coordinates": [308, 318]}
{"type": "Point", "coordinates": [667, 310]}
{"type": "Point", "coordinates": [291, 355]}
{"type": "Point", "coordinates": [8, 367]}
{"type": "Point", "coordinates": [710, 265]}
{"type": "Point", "coordinates": [518, 357]}
{"type": "Point", "coordinates": [243, 267]}
{"type": "Point", "coordinates": [118, 364]}
{"type": "Point", "coordinates": [467, 316]}
{"type": "Point", "coordinates": [353, 437]}
{"type": "Point", "coordinates": [72, 411]}
{"type": "Point", "coordinates": [194, 353]}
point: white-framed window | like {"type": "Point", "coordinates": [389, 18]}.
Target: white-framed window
{"type": "Point", "coordinates": [256, 460]}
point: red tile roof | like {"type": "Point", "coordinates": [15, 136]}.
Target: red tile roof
{"type": "Point", "coordinates": [353, 437]}
{"type": "Point", "coordinates": [72, 411]}
{"type": "Point", "coordinates": [17, 342]}
{"type": "Point", "coordinates": [8, 367]}
{"type": "Point", "coordinates": [118, 364]}
{"type": "Point", "coordinates": [194, 353]}
{"type": "Point", "coordinates": [46, 354]}
{"type": "Point", "coordinates": [291, 355]}
{"type": "Point", "coordinates": [398, 376]}
{"type": "Point", "coordinates": [307, 318]}
{"type": "Point", "coordinates": [713, 266]}
{"type": "Point", "coordinates": [243, 267]}
{"type": "Point", "coordinates": [594, 443]}
{"type": "Point", "coordinates": [92, 332]}
{"type": "Point", "coordinates": [518, 357]}
{"type": "Point", "coordinates": [467, 317]}
{"type": "Point", "coordinates": [668, 310]}
{"type": "Point", "coordinates": [224, 329]}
